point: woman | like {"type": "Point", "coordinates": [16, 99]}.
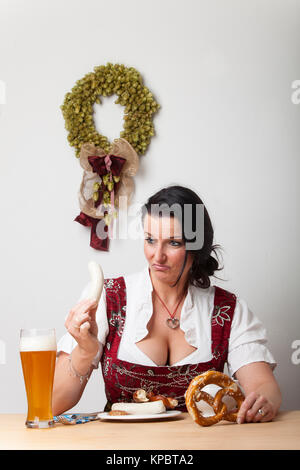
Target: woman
{"type": "Point", "coordinates": [177, 325]}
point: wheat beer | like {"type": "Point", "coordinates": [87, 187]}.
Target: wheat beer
{"type": "Point", "coordinates": [38, 353]}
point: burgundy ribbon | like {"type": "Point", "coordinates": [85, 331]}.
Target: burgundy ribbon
{"type": "Point", "coordinates": [102, 166]}
{"type": "Point", "coordinates": [95, 242]}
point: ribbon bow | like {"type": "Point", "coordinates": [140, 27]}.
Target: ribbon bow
{"type": "Point", "coordinates": [104, 165]}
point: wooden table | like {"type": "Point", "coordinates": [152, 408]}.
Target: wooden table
{"type": "Point", "coordinates": [177, 433]}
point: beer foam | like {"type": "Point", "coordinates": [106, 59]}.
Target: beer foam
{"type": "Point", "coordinates": [38, 343]}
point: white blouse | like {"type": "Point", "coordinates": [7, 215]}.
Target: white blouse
{"type": "Point", "coordinates": [247, 342]}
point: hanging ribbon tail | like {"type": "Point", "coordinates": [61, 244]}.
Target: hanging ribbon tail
{"type": "Point", "coordinates": [111, 166]}
{"type": "Point", "coordinates": [95, 242]}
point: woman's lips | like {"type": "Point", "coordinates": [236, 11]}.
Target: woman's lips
{"type": "Point", "coordinates": [160, 267]}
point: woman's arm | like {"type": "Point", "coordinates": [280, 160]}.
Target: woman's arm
{"type": "Point", "coordinates": [261, 393]}
{"type": "Point", "coordinates": [68, 387]}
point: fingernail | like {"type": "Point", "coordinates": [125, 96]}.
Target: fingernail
{"type": "Point", "coordinates": [239, 421]}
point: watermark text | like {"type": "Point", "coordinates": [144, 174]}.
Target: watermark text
{"type": "Point", "coordinates": [295, 358]}
{"type": "Point", "coordinates": [128, 224]}
{"type": "Point", "coordinates": [295, 97]}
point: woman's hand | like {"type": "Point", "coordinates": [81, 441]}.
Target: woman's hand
{"type": "Point", "coordinates": [262, 393]}
{"type": "Point", "coordinates": [81, 324]}
{"type": "Point", "coordinates": [256, 407]}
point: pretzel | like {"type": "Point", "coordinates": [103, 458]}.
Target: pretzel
{"type": "Point", "coordinates": [117, 413]}
{"type": "Point", "coordinates": [169, 402]}
{"type": "Point", "coordinates": [141, 396]}
{"type": "Point", "coordinates": [194, 394]}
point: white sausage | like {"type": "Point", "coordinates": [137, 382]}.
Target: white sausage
{"type": "Point", "coordinates": [97, 281]}
{"type": "Point", "coordinates": [151, 407]}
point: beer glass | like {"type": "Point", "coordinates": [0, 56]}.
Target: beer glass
{"type": "Point", "coordinates": [38, 354]}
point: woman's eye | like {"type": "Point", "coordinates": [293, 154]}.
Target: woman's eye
{"type": "Point", "coordinates": [174, 243]}
{"type": "Point", "coordinates": [149, 240]}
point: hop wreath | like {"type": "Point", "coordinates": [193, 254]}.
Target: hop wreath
{"type": "Point", "coordinates": [127, 84]}
{"type": "Point", "coordinates": [108, 166]}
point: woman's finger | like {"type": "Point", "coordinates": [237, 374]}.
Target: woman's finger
{"type": "Point", "coordinates": [76, 313]}
{"type": "Point", "coordinates": [252, 413]}
{"type": "Point", "coordinates": [264, 413]}
{"type": "Point", "coordinates": [77, 322]}
{"type": "Point", "coordinates": [92, 311]}
{"type": "Point", "coordinates": [268, 416]}
{"type": "Point", "coordinates": [84, 329]}
{"type": "Point", "coordinates": [73, 311]}
{"type": "Point", "coordinates": [80, 319]}
{"type": "Point", "coordinates": [245, 406]}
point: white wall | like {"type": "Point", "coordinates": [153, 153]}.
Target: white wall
{"type": "Point", "coordinates": [223, 74]}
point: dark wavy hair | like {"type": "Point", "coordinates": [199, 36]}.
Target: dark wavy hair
{"type": "Point", "coordinates": [204, 264]}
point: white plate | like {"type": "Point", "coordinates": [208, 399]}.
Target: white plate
{"type": "Point", "coordinates": [167, 414]}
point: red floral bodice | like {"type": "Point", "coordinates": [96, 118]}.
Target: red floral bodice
{"type": "Point", "coordinates": [122, 378]}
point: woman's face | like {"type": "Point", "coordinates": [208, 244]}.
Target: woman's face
{"type": "Point", "coordinates": [164, 248]}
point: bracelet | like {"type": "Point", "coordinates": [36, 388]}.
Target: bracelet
{"type": "Point", "coordinates": [76, 374]}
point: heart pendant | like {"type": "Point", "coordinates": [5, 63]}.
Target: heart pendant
{"type": "Point", "coordinates": [173, 323]}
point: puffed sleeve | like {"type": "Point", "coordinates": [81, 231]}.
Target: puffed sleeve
{"type": "Point", "coordinates": [67, 343]}
{"type": "Point", "coordinates": [248, 340]}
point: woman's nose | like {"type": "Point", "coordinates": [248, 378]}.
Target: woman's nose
{"type": "Point", "coordinates": [160, 255]}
